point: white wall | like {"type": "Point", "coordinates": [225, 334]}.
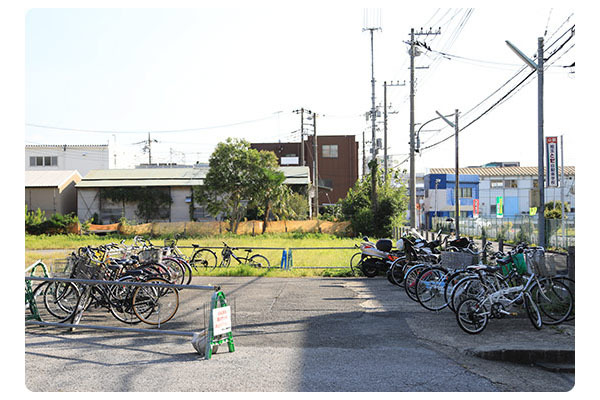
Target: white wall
{"type": "Point", "coordinates": [80, 158]}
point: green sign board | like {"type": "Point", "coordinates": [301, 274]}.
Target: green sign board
{"type": "Point", "coordinates": [499, 207]}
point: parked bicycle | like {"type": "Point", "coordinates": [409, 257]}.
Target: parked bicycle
{"type": "Point", "coordinates": [256, 260]}
{"type": "Point", "coordinates": [546, 301]}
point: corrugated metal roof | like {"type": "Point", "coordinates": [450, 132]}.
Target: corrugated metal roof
{"type": "Point", "coordinates": [57, 179]}
{"type": "Point", "coordinates": [170, 177]}
{"type": "Point", "coordinates": [497, 171]}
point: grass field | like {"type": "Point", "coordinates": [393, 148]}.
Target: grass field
{"type": "Point", "coordinates": [271, 246]}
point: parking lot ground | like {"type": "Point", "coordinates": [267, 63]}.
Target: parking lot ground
{"type": "Point", "coordinates": [294, 335]}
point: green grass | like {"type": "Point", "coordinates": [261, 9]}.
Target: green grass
{"type": "Point", "coordinates": [301, 257]}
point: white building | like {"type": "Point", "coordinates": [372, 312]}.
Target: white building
{"type": "Point", "coordinates": [176, 182]}
{"type": "Point", "coordinates": [81, 158]}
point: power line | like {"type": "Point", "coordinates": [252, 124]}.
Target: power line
{"type": "Point", "coordinates": [505, 96]}
{"type": "Point", "coordinates": [151, 131]}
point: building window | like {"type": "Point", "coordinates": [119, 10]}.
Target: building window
{"type": "Point", "coordinates": [46, 161]}
{"type": "Point", "coordinates": [496, 183]}
{"type": "Point", "coordinates": [330, 150]}
{"type": "Point", "coordinates": [326, 183]}
{"type": "Point", "coordinates": [465, 192]}
{"type": "Point", "coordinates": [510, 183]}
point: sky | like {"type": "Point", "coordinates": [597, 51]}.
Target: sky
{"type": "Point", "coordinates": [194, 77]}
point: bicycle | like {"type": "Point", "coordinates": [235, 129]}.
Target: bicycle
{"type": "Point", "coordinates": [127, 303]}
{"type": "Point", "coordinates": [256, 261]}
{"type": "Point", "coordinates": [540, 297]}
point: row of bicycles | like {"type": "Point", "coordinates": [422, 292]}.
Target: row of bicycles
{"type": "Point", "coordinates": [123, 266]}
{"type": "Point", "coordinates": [452, 275]}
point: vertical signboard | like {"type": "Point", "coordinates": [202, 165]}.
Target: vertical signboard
{"type": "Point", "coordinates": [499, 207]}
{"type": "Point", "coordinates": [475, 208]}
{"type": "Point", "coordinates": [552, 161]}
{"type": "Point", "coordinates": [221, 320]}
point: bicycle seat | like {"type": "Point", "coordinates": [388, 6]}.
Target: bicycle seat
{"type": "Point", "coordinates": [124, 262]}
{"type": "Point", "coordinates": [248, 250]}
{"type": "Point", "coordinates": [484, 268]}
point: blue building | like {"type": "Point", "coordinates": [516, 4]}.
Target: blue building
{"type": "Point", "coordinates": [439, 199]}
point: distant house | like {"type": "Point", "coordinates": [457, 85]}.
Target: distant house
{"type": "Point", "coordinates": [51, 191]}
{"type": "Point", "coordinates": [517, 186]}
{"type": "Point", "coordinates": [82, 158]}
{"type": "Point", "coordinates": [176, 182]}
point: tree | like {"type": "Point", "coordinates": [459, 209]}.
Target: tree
{"type": "Point", "coordinates": [268, 184]}
{"type": "Point", "coordinates": [239, 176]}
{"type": "Point", "coordinates": [552, 209]}
{"type": "Point", "coordinates": [391, 205]}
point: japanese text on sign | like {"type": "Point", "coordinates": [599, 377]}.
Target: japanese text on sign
{"type": "Point", "coordinates": [221, 320]}
{"type": "Point", "coordinates": [552, 161]}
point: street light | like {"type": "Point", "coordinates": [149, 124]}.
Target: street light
{"type": "Point", "coordinates": [539, 67]}
{"type": "Point", "coordinates": [456, 197]}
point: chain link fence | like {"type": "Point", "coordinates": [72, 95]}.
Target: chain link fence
{"type": "Point", "coordinates": [513, 229]}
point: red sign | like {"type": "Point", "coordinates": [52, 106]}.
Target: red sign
{"type": "Point", "coordinates": [475, 207]}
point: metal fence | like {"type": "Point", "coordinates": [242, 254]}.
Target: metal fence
{"type": "Point", "coordinates": [517, 229]}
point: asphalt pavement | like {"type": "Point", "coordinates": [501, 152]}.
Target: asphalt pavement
{"type": "Point", "coordinates": [303, 335]}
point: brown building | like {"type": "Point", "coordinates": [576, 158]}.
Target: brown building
{"type": "Point", "coordinates": [337, 162]}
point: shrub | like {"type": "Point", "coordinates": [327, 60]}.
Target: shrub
{"type": "Point", "coordinates": [36, 223]}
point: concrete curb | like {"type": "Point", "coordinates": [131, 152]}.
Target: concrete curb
{"type": "Point", "coordinates": [549, 358]}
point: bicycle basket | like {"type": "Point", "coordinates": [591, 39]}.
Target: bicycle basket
{"type": "Point", "coordinates": [457, 259]}
{"type": "Point", "coordinates": [520, 263]}
{"type": "Point", "coordinates": [150, 255]}
{"type": "Point", "coordinates": [84, 268]}
{"type": "Point", "coordinates": [536, 263]}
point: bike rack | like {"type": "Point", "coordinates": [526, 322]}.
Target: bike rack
{"type": "Point", "coordinates": [29, 290]}
{"type": "Point", "coordinates": [217, 301]}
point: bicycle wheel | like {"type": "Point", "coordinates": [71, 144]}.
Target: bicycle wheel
{"type": "Point", "coordinates": [554, 300]}
{"type": "Point", "coordinates": [533, 312]}
{"type": "Point", "coordinates": [61, 299]}
{"type": "Point", "coordinates": [120, 304]}
{"type": "Point", "coordinates": [176, 270]}
{"type": "Point", "coordinates": [355, 262]}
{"type": "Point", "coordinates": [258, 261]}
{"type": "Point", "coordinates": [204, 258]}
{"type": "Point", "coordinates": [452, 281]}
{"type": "Point", "coordinates": [472, 315]}
{"type": "Point", "coordinates": [471, 286]}
{"type": "Point", "coordinates": [395, 273]}
{"type": "Point", "coordinates": [430, 288]}
{"type": "Point", "coordinates": [410, 280]}
{"type": "Point", "coordinates": [155, 305]}
{"type": "Point", "coordinates": [570, 283]}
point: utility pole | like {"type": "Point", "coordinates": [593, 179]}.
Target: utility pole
{"type": "Point", "coordinates": [456, 177]}
{"type": "Point", "coordinates": [315, 167]}
{"type": "Point", "coordinates": [373, 163]}
{"type": "Point", "coordinates": [149, 150]}
{"type": "Point", "coordinates": [301, 112]}
{"type": "Point", "coordinates": [456, 183]}
{"type": "Point", "coordinates": [302, 136]}
{"type": "Point", "coordinates": [412, 179]}
{"type": "Point", "coordinates": [562, 192]}
{"type": "Point", "coordinates": [364, 158]}
{"type": "Point", "coordinates": [385, 143]}
{"type": "Point", "coordinates": [539, 67]}
{"type": "Point", "coordinates": [148, 147]}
